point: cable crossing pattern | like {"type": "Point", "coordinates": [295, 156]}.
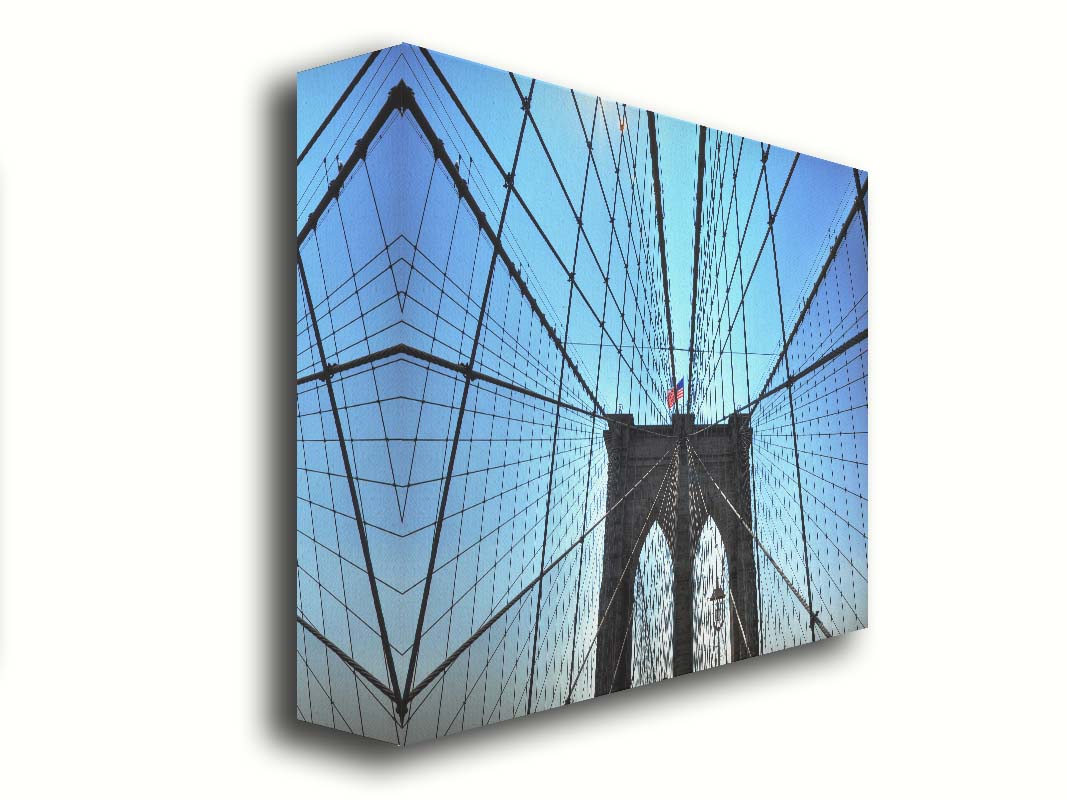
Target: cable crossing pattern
{"type": "Point", "coordinates": [491, 273]}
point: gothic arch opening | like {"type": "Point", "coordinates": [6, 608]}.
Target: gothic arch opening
{"type": "Point", "coordinates": [712, 604]}
{"type": "Point", "coordinates": [644, 606]}
{"type": "Point", "coordinates": [652, 628]}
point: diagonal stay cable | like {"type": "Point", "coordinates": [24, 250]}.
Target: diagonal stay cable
{"type": "Point", "coordinates": [733, 602]}
{"type": "Point", "coordinates": [337, 106]}
{"type": "Point", "coordinates": [349, 662]}
{"type": "Point", "coordinates": [555, 435]}
{"type": "Point", "coordinates": [444, 665]}
{"type": "Point", "coordinates": [657, 191]}
{"type": "Point", "coordinates": [638, 544]}
{"type": "Point", "coordinates": [509, 180]}
{"type": "Point", "coordinates": [767, 391]}
{"type": "Point", "coordinates": [398, 350]}
{"type": "Point", "coordinates": [861, 192]}
{"type": "Point", "coordinates": [797, 376]}
{"type": "Point", "coordinates": [405, 700]}
{"type": "Point", "coordinates": [767, 236]}
{"type": "Point", "coordinates": [766, 552]}
{"type": "Point", "coordinates": [349, 475]}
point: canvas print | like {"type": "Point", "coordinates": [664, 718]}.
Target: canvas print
{"type": "Point", "coordinates": [581, 396]}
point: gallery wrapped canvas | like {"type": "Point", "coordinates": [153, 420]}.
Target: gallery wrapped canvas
{"type": "Point", "coordinates": [581, 396]}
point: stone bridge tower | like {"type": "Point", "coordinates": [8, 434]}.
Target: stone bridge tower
{"type": "Point", "coordinates": [633, 451]}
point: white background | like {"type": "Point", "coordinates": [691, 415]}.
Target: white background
{"type": "Point", "coordinates": [145, 226]}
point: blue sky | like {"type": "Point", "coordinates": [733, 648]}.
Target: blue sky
{"type": "Point", "coordinates": [819, 197]}
{"type": "Point", "coordinates": [398, 259]}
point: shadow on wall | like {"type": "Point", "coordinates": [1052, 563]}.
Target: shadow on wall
{"type": "Point", "coordinates": [277, 507]}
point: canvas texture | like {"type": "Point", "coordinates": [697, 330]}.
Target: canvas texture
{"type": "Point", "coordinates": [581, 396]}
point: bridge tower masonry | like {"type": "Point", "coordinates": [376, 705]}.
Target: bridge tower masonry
{"type": "Point", "coordinates": [721, 450]}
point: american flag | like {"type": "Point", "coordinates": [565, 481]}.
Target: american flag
{"type": "Point", "coordinates": [676, 394]}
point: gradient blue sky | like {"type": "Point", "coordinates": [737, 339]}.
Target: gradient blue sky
{"type": "Point", "coordinates": [400, 439]}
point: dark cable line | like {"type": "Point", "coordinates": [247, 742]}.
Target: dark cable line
{"type": "Point", "coordinates": [491, 365]}
{"type": "Point", "coordinates": [337, 106]}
